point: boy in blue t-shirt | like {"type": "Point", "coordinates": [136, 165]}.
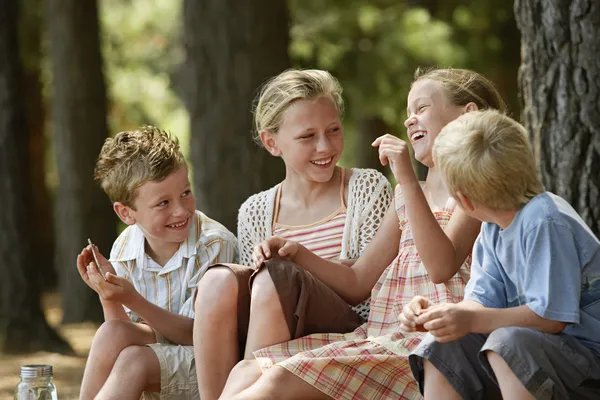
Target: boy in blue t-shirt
{"type": "Point", "coordinates": [529, 326]}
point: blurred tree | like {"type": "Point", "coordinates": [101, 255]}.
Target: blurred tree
{"type": "Point", "coordinates": [142, 50]}
{"type": "Point", "coordinates": [23, 327]}
{"type": "Point", "coordinates": [231, 46]}
{"type": "Point", "coordinates": [31, 45]}
{"type": "Point", "coordinates": [374, 47]}
{"type": "Point", "coordinates": [79, 127]}
{"type": "Point", "coordinates": [560, 86]}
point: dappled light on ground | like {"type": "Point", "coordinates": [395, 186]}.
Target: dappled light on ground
{"type": "Point", "coordinates": [68, 370]}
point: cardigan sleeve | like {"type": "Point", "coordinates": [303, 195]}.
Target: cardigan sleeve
{"type": "Point", "coordinates": [375, 197]}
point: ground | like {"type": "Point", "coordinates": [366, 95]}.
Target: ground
{"type": "Point", "coordinates": [68, 370]}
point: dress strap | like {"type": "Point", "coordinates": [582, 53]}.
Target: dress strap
{"type": "Point", "coordinates": [276, 211]}
{"type": "Point", "coordinates": [342, 187]}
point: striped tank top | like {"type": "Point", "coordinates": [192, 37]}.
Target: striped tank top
{"type": "Point", "coordinates": [324, 237]}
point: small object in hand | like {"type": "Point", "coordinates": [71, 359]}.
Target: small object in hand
{"type": "Point", "coordinates": [98, 267]}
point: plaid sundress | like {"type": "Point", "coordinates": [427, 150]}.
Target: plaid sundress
{"type": "Point", "coordinates": [372, 362]}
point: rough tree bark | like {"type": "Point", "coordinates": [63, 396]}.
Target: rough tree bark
{"type": "Point", "coordinates": [79, 127]}
{"type": "Point", "coordinates": [560, 89]}
{"type": "Point", "coordinates": [23, 327]}
{"type": "Point", "coordinates": [232, 47]}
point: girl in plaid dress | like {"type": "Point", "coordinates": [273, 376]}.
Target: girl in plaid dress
{"type": "Point", "coordinates": [432, 260]}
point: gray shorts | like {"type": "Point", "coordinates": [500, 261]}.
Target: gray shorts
{"type": "Point", "coordinates": [549, 366]}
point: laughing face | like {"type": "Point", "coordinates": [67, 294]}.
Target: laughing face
{"type": "Point", "coordinates": [310, 139]}
{"type": "Point", "coordinates": [428, 112]}
{"type": "Point", "coordinates": [164, 211]}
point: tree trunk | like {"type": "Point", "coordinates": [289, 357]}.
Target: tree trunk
{"type": "Point", "coordinates": [79, 127]}
{"type": "Point", "coordinates": [369, 129]}
{"type": "Point", "coordinates": [23, 327]}
{"type": "Point", "coordinates": [41, 210]}
{"type": "Point", "coordinates": [560, 85]}
{"type": "Point", "coordinates": [232, 47]}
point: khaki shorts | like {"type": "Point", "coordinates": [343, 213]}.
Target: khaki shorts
{"type": "Point", "coordinates": [177, 371]}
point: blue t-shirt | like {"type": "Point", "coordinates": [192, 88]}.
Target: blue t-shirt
{"type": "Point", "coordinates": [547, 259]}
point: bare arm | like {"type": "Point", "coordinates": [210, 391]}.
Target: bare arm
{"type": "Point", "coordinates": [442, 252]}
{"type": "Point", "coordinates": [177, 328]}
{"type": "Point", "coordinates": [448, 322]}
{"type": "Point", "coordinates": [354, 284]}
{"type": "Point", "coordinates": [487, 320]}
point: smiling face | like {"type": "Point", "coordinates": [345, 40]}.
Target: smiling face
{"type": "Point", "coordinates": [310, 139]}
{"type": "Point", "coordinates": [163, 211]}
{"type": "Point", "coordinates": [428, 112]}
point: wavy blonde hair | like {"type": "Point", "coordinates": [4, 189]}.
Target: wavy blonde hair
{"type": "Point", "coordinates": [463, 86]}
{"type": "Point", "coordinates": [487, 156]}
{"type": "Point", "coordinates": [133, 158]}
{"type": "Point", "coordinates": [281, 91]}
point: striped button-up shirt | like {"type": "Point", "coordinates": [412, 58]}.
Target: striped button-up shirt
{"type": "Point", "coordinates": [172, 285]}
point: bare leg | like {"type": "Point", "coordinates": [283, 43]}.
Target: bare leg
{"type": "Point", "coordinates": [136, 370]}
{"type": "Point", "coordinates": [510, 386]}
{"type": "Point", "coordinates": [436, 386]}
{"type": "Point", "coordinates": [110, 339]}
{"type": "Point", "coordinates": [265, 311]}
{"type": "Point", "coordinates": [278, 383]}
{"type": "Point", "coordinates": [215, 331]}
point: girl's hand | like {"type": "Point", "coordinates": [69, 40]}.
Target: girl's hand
{"type": "Point", "coordinates": [274, 247]}
{"type": "Point", "coordinates": [447, 321]}
{"type": "Point", "coordinates": [395, 152]}
{"type": "Point", "coordinates": [411, 312]}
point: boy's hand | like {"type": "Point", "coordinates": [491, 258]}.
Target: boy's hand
{"type": "Point", "coordinates": [395, 152]}
{"type": "Point", "coordinates": [86, 259]}
{"type": "Point", "coordinates": [447, 322]}
{"type": "Point", "coordinates": [410, 313]}
{"type": "Point", "coordinates": [274, 247]}
{"type": "Point", "coordinates": [114, 288]}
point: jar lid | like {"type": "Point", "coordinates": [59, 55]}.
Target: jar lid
{"type": "Point", "coordinates": [36, 371]}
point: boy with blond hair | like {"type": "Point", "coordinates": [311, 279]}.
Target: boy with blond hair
{"type": "Point", "coordinates": [145, 343]}
{"type": "Point", "coordinates": [528, 326]}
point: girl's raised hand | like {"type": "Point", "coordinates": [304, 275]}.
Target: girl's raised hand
{"type": "Point", "coordinates": [395, 152]}
{"type": "Point", "coordinates": [274, 247]}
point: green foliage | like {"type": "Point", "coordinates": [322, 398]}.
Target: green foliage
{"type": "Point", "coordinates": [142, 49]}
{"type": "Point", "coordinates": [374, 46]}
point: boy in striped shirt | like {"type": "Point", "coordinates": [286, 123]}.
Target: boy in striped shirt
{"type": "Point", "coordinates": [145, 343]}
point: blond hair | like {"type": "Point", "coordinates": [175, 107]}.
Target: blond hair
{"type": "Point", "coordinates": [487, 156]}
{"type": "Point", "coordinates": [463, 86]}
{"type": "Point", "coordinates": [133, 158]}
{"type": "Point", "coordinates": [278, 93]}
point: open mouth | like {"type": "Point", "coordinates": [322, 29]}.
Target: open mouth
{"type": "Point", "coordinates": [417, 135]}
{"type": "Point", "coordinates": [324, 162]}
{"type": "Point", "coordinates": [179, 224]}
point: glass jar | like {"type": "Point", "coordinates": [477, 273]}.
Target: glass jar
{"type": "Point", "coordinates": [36, 383]}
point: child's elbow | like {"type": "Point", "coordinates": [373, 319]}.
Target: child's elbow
{"type": "Point", "coordinates": [439, 277]}
{"type": "Point", "coordinates": [556, 327]}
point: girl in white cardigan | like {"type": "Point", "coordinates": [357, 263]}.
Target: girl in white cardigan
{"type": "Point", "coordinates": [334, 212]}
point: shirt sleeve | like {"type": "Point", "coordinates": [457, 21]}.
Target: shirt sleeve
{"type": "Point", "coordinates": [486, 285]}
{"type": "Point", "coordinates": [220, 250]}
{"type": "Point", "coordinates": [552, 275]}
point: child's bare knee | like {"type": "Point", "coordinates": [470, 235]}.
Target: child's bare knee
{"type": "Point", "coordinates": [263, 288]}
{"type": "Point", "coordinates": [218, 287]}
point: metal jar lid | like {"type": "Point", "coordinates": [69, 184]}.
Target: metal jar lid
{"type": "Point", "coordinates": [36, 371]}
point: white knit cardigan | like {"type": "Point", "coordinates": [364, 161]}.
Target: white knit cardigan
{"type": "Point", "coordinates": [369, 195]}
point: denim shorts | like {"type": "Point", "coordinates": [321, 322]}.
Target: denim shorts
{"type": "Point", "coordinates": [549, 366]}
